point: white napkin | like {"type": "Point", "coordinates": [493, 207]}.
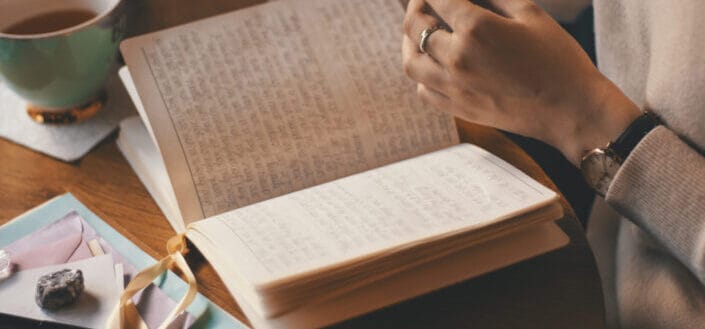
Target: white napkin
{"type": "Point", "coordinates": [65, 142]}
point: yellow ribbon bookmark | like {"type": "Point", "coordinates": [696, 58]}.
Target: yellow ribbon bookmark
{"type": "Point", "coordinates": [125, 314]}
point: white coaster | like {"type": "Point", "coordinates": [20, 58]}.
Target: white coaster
{"type": "Point", "coordinates": [65, 142]}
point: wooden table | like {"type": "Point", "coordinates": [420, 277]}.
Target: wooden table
{"type": "Point", "coordinates": [558, 290]}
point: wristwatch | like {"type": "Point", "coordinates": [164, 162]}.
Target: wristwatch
{"type": "Point", "coordinates": [600, 165]}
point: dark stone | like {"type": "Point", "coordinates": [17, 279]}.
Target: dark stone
{"type": "Point", "coordinates": [59, 289]}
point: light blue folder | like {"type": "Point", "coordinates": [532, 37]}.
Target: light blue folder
{"type": "Point", "coordinates": [211, 316]}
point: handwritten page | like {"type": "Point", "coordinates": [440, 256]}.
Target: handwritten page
{"type": "Point", "coordinates": [272, 99]}
{"type": "Point", "coordinates": [461, 187]}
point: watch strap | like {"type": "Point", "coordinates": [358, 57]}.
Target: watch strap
{"type": "Point", "coordinates": [635, 132]}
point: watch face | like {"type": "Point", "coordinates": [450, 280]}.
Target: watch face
{"type": "Point", "coordinates": [599, 168]}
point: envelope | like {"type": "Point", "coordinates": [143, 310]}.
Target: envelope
{"type": "Point", "coordinates": [59, 243]}
{"type": "Point", "coordinates": [66, 240]}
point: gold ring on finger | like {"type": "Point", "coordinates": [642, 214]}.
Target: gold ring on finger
{"type": "Point", "coordinates": [425, 34]}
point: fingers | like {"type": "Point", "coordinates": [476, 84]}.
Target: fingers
{"type": "Point", "coordinates": [422, 68]}
{"type": "Point", "coordinates": [438, 46]}
{"type": "Point", "coordinates": [433, 98]}
{"type": "Point", "coordinates": [463, 15]}
{"type": "Point", "coordinates": [415, 22]}
{"type": "Point", "coordinates": [416, 6]}
{"type": "Point", "coordinates": [454, 12]}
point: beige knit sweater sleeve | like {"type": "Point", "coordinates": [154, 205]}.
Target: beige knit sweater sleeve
{"type": "Point", "coordinates": [661, 188]}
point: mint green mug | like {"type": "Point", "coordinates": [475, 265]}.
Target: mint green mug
{"type": "Point", "coordinates": [64, 71]}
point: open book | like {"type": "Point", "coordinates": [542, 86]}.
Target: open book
{"type": "Point", "coordinates": [285, 140]}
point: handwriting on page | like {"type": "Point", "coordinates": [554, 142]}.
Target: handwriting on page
{"type": "Point", "coordinates": [435, 193]}
{"type": "Point", "coordinates": [269, 102]}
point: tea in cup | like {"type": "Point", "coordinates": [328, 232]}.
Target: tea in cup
{"type": "Point", "coordinates": [57, 55]}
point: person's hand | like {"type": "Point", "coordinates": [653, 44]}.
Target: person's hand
{"type": "Point", "coordinates": [513, 67]}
